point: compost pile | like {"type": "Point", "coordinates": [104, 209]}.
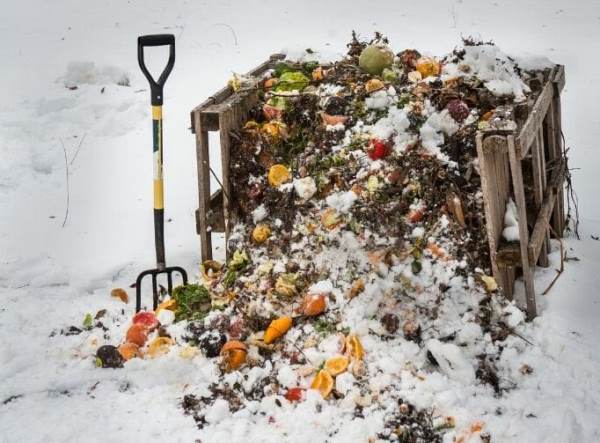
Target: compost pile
{"type": "Point", "coordinates": [359, 267]}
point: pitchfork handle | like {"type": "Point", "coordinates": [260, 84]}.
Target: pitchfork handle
{"type": "Point", "coordinates": [156, 86]}
{"type": "Point", "coordinates": [156, 90]}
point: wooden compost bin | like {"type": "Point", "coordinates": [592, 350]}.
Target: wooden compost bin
{"type": "Point", "coordinates": [523, 155]}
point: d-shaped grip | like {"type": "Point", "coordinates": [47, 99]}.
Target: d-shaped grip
{"type": "Point", "coordinates": [156, 86]}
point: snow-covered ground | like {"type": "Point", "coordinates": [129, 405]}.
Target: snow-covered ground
{"type": "Point", "coordinates": [51, 275]}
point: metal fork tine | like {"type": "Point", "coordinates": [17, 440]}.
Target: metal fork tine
{"type": "Point", "coordinates": [154, 291]}
{"type": "Point", "coordinates": [169, 282]}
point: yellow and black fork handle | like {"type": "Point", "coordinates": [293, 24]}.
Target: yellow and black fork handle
{"type": "Point", "coordinates": [156, 94]}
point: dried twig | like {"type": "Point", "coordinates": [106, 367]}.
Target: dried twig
{"type": "Point", "coordinates": [516, 334]}
{"type": "Point", "coordinates": [78, 148]}
{"type": "Point", "coordinates": [67, 178]}
{"type": "Point", "coordinates": [562, 263]}
{"type": "Point", "coordinates": [571, 195]}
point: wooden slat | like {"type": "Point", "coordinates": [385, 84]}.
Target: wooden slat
{"type": "Point", "coordinates": [559, 78]}
{"type": "Point", "coordinates": [517, 178]}
{"type": "Point", "coordinates": [559, 214]}
{"type": "Point", "coordinates": [531, 126]}
{"type": "Point", "coordinates": [543, 219]}
{"type": "Point", "coordinates": [225, 125]}
{"type": "Point", "coordinates": [495, 178]}
{"type": "Point", "coordinates": [538, 187]}
{"type": "Point", "coordinates": [203, 165]}
{"type": "Point", "coordinates": [211, 120]}
{"type": "Point", "coordinates": [538, 236]}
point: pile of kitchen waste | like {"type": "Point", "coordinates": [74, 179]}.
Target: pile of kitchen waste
{"type": "Point", "coordinates": [358, 286]}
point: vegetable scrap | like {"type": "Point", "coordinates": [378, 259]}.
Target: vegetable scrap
{"type": "Point", "coordinates": [359, 266]}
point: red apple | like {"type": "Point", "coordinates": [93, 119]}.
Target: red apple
{"type": "Point", "coordinates": [378, 149]}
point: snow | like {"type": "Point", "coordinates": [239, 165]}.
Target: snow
{"type": "Point", "coordinates": [341, 201]}
{"type": "Point", "coordinates": [305, 187]}
{"type": "Point", "coordinates": [79, 73]}
{"type": "Point", "coordinates": [452, 361]}
{"type": "Point", "coordinates": [493, 67]}
{"type": "Point", "coordinates": [259, 214]}
{"type": "Point", "coordinates": [511, 222]}
{"type": "Point", "coordinates": [52, 275]}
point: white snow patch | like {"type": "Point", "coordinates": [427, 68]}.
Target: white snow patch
{"type": "Point", "coordinates": [305, 187]}
{"type": "Point", "coordinates": [341, 201]}
{"type": "Point", "coordinates": [80, 72]}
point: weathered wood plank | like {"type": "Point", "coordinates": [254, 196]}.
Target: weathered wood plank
{"type": "Point", "coordinates": [559, 78]}
{"type": "Point", "coordinates": [531, 126]}
{"type": "Point", "coordinates": [203, 165]}
{"type": "Point", "coordinates": [211, 119]}
{"type": "Point", "coordinates": [517, 178]}
{"type": "Point", "coordinates": [559, 218]}
{"type": "Point", "coordinates": [538, 236]}
{"type": "Point", "coordinates": [225, 125]}
{"type": "Point", "coordinates": [491, 154]}
{"type": "Point", "coordinates": [537, 155]}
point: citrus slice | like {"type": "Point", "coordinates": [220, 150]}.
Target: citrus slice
{"type": "Point", "coordinates": [277, 328]}
{"type": "Point", "coordinates": [129, 350]}
{"type": "Point", "coordinates": [336, 365]}
{"type": "Point", "coordinates": [314, 305]}
{"type": "Point", "coordinates": [323, 382]}
{"type": "Point", "coordinates": [354, 347]}
{"type": "Point", "coordinates": [234, 354]}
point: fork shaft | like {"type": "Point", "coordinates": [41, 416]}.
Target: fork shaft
{"type": "Point", "coordinates": [159, 201]}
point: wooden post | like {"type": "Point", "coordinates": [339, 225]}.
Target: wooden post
{"type": "Point", "coordinates": [495, 184]}
{"type": "Point", "coordinates": [517, 178]}
{"type": "Point", "coordinates": [203, 166]}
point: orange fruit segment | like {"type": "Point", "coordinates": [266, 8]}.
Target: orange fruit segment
{"type": "Point", "coordinates": [234, 354]}
{"type": "Point", "coordinates": [129, 350]}
{"type": "Point", "coordinates": [323, 382]}
{"type": "Point", "coordinates": [354, 347]}
{"type": "Point", "coordinates": [336, 365]}
{"type": "Point", "coordinates": [137, 333]}
{"type": "Point", "coordinates": [278, 175]}
{"type": "Point", "coordinates": [314, 305]}
{"type": "Point", "coordinates": [277, 328]}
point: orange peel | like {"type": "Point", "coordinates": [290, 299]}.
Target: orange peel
{"type": "Point", "coordinates": [129, 350]}
{"type": "Point", "coordinates": [234, 354]}
{"type": "Point", "coordinates": [337, 365]}
{"type": "Point", "coordinates": [277, 328]}
{"type": "Point", "coordinates": [354, 348]}
{"type": "Point", "coordinates": [314, 305]}
{"type": "Point", "coordinates": [323, 382]}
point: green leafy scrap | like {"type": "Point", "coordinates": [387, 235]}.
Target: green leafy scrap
{"type": "Point", "coordinates": [193, 302]}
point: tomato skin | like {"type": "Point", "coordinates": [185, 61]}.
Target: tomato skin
{"type": "Point", "coordinates": [378, 149]}
{"type": "Point", "coordinates": [294, 394]}
{"type": "Point", "coordinates": [147, 319]}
